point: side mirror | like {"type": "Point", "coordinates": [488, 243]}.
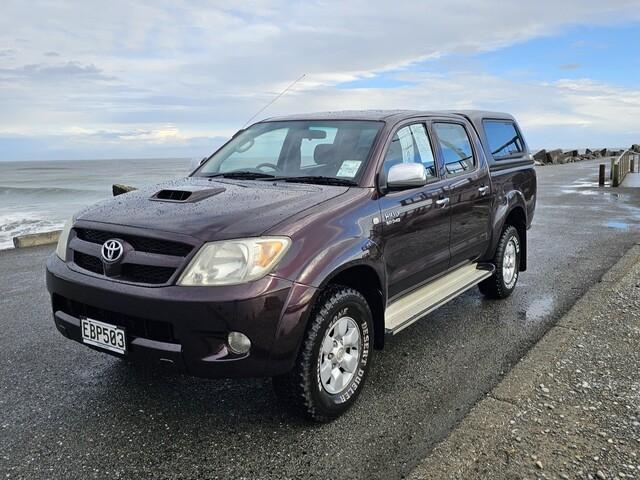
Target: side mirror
{"type": "Point", "coordinates": [406, 175]}
{"type": "Point", "coordinates": [195, 163]}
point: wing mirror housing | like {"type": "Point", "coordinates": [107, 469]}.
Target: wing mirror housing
{"type": "Point", "coordinates": [195, 164]}
{"type": "Point", "coordinates": [406, 175]}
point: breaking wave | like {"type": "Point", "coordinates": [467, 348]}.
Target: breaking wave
{"type": "Point", "coordinates": [12, 225]}
{"type": "Point", "coordinates": [44, 191]}
{"type": "Point", "coordinates": [40, 196]}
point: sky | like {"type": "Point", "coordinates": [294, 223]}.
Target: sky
{"type": "Point", "coordinates": [119, 79]}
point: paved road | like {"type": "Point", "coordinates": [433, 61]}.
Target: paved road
{"type": "Point", "coordinates": [570, 408]}
{"type": "Point", "coordinates": [70, 412]}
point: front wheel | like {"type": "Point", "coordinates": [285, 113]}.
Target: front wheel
{"type": "Point", "coordinates": [507, 263]}
{"type": "Point", "coordinates": [334, 358]}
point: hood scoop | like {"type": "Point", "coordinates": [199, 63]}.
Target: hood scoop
{"type": "Point", "coordinates": [185, 196]}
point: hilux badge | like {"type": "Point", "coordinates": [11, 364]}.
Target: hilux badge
{"type": "Point", "coordinates": [112, 251]}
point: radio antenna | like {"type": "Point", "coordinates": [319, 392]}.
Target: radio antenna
{"type": "Point", "coordinates": [276, 98]}
{"type": "Point", "coordinates": [206, 159]}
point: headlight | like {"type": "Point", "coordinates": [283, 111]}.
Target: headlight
{"type": "Point", "coordinates": [234, 261]}
{"type": "Point", "coordinates": [61, 249]}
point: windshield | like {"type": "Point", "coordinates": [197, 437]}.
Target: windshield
{"type": "Point", "coordinates": [318, 149]}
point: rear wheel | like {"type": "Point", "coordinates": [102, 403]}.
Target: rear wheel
{"type": "Point", "coordinates": [334, 358]}
{"type": "Point", "coordinates": [507, 263]}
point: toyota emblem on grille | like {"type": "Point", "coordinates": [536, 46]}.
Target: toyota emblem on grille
{"type": "Point", "coordinates": [112, 251]}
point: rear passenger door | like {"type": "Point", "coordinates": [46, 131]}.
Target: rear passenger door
{"type": "Point", "coordinates": [415, 224]}
{"type": "Point", "coordinates": [468, 188]}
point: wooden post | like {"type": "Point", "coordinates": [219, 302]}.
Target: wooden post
{"type": "Point", "coordinates": [626, 166]}
{"type": "Point", "coordinates": [615, 173]}
{"type": "Point", "coordinates": [611, 170]}
{"type": "Point", "coordinates": [601, 175]}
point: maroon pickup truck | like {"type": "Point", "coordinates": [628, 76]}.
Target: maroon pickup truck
{"type": "Point", "coordinates": [295, 248]}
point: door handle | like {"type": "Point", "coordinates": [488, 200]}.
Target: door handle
{"type": "Point", "coordinates": [484, 190]}
{"type": "Point", "coordinates": [443, 202]}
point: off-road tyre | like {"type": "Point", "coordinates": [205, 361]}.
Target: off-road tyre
{"type": "Point", "coordinates": [302, 389]}
{"type": "Point", "coordinates": [498, 285]}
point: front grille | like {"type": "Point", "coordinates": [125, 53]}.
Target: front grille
{"type": "Point", "coordinates": [126, 270]}
{"type": "Point", "coordinates": [146, 273]}
{"type": "Point", "coordinates": [88, 262]}
{"type": "Point", "coordinates": [141, 244]}
{"type": "Point", "coordinates": [135, 326]}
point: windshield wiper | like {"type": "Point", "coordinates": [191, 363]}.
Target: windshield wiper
{"type": "Point", "coordinates": [251, 175]}
{"type": "Point", "coordinates": [320, 180]}
{"type": "Point", "coordinates": [242, 174]}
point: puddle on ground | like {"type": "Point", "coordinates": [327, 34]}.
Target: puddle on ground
{"type": "Point", "coordinates": [592, 192]}
{"type": "Point", "coordinates": [583, 184]}
{"type": "Point", "coordinates": [537, 309]}
{"type": "Point", "coordinates": [618, 225]}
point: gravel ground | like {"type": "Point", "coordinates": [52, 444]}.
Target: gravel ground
{"type": "Point", "coordinates": [571, 408]}
{"type": "Point", "coordinates": [71, 412]}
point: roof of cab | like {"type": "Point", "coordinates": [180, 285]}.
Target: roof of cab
{"type": "Point", "coordinates": [376, 115]}
{"type": "Point", "coordinates": [389, 115]}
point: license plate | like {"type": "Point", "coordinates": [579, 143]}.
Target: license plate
{"type": "Point", "coordinates": [100, 334]}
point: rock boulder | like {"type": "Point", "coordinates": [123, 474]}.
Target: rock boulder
{"type": "Point", "coordinates": [553, 156]}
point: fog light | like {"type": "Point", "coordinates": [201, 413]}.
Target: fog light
{"type": "Point", "coordinates": [238, 342]}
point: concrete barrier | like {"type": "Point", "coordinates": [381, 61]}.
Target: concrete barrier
{"type": "Point", "coordinates": [35, 239]}
{"type": "Point", "coordinates": [119, 189]}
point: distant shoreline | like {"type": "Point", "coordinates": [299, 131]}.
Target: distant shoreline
{"type": "Point", "coordinates": [190, 158]}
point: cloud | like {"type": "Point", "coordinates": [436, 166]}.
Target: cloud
{"type": "Point", "coordinates": [208, 67]}
{"type": "Point", "coordinates": [570, 66]}
{"type": "Point", "coordinates": [47, 72]}
{"type": "Point", "coordinates": [78, 143]}
{"type": "Point", "coordinates": [164, 134]}
{"type": "Point", "coordinates": [564, 113]}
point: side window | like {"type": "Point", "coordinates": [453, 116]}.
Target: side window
{"type": "Point", "coordinates": [410, 144]}
{"type": "Point", "coordinates": [503, 137]}
{"type": "Point", "coordinates": [457, 153]}
{"type": "Point", "coordinates": [308, 145]}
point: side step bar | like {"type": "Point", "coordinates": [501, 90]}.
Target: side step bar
{"type": "Point", "coordinates": [413, 306]}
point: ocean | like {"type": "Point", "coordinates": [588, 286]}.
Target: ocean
{"type": "Point", "coordinates": [38, 196]}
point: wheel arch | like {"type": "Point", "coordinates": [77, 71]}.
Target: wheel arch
{"type": "Point", "coordinates": [511, 210]}
{"type": "Point", "coordinates": [365, 279]}
{"type": "Point", "coordinates": [517, 218]}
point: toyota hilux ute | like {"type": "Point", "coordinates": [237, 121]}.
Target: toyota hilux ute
{"type": "Point", "coordinates": [298, 246]}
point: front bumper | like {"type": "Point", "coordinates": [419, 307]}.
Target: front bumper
{"type": "Point", "coordinates": [186, 327]}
